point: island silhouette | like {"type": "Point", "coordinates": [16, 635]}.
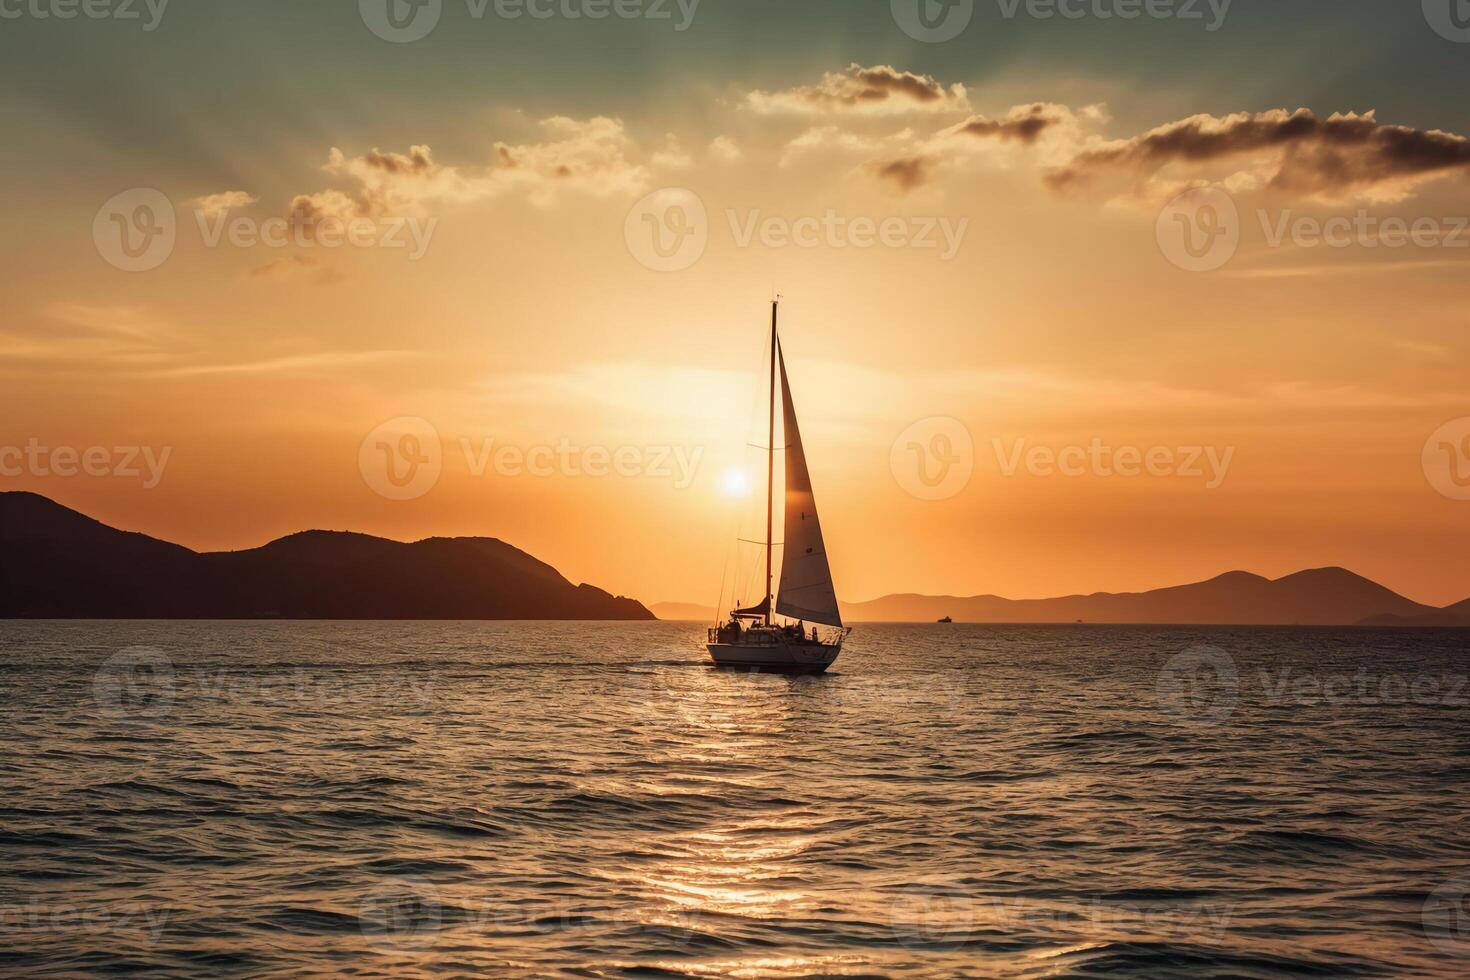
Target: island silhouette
{"type": "Point", "coordinates": [58, 563]}
{"type": "Point", "coordinates": [1313, 597]}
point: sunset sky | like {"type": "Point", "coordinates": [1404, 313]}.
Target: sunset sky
{"type": "Point", "coordinates": [523, 151]}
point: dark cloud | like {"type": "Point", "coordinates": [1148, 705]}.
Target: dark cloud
{"type": "Point", "coordinates": [884, 81]}
{"type": "Point", "coordinates": [1023, 123]}
{"type": "Point", "coordinates": [1332, 156]}
{"type": "Point", "coordinates": [906, 173]}
{"type": "Point", "coordinates": [418, 160]}
{"type": "Point", "coordinates": [876, 88]}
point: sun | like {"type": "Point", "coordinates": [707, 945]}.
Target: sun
{"type": "Point", "coordinates": [734, 482]}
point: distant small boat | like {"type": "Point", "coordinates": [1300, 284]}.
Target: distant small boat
{"type": "Point", "coordinates": [946, 619]}
{"type": "Point", "coordinates": [806, 593]}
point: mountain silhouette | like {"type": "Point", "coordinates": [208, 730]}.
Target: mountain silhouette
{"type": "Point", "coordinates": [57, 563]}
{"type": "Point", "coordinates": [1315, 597]}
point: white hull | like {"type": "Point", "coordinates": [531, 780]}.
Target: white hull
{"type": "Point", "coordinates": [780, 654]}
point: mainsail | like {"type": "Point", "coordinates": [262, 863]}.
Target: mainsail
{"type": "Point", "coordinates": [806, 580]}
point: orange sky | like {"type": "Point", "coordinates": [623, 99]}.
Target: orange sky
{"type": "Point", "coordinates": [1318, 372]}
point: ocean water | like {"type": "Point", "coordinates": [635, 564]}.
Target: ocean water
{"type": "Point", "coordinates": [561, 799]}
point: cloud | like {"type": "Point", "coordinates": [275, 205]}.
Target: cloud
{"type": "Point", "coordinates": [723, 149]}
{"type": "Point", "coordinates": [879, 89]}
{"type": "Point", "coordinates": [134, 323]}
{"type": "Point", "coordinates": [290, 364]}
{"type": "Point", "coordinates": [906, 173]}
{"type": "Point", "coordinates": [1345, 155]}
{"type": "Point", "coordinates": [1024, 123]}
{"type": "Point", "coordinates": [89, 336]}
{"type": "Point", "coordinates": [588, 156]}
{"type": "Point", "coordinates": [1054, 131]}
{"type": "Point", "coordinates": [214, 205]}
{"type": "Point", "coordinates": [672, 155]}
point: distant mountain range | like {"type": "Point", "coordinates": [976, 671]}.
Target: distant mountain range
{"type": "Point", "coordinates": [57, 563]}
{"type": "Point", "coordinates": [1315, 597]}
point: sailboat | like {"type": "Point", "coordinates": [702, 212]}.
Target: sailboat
{"type": "Point", "coordinates": [751, 639]}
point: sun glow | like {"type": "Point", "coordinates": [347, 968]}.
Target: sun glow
{"type": "Point", "coordinates": [735, 482]}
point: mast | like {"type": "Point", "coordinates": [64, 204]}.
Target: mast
{"type": "Point", "coordinates": [771, 461]}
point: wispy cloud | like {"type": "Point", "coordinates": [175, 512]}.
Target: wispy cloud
{"type": "Point", "coordinates": [214, 205]}
{"type": "Point", "coordinates": [880, 89]}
